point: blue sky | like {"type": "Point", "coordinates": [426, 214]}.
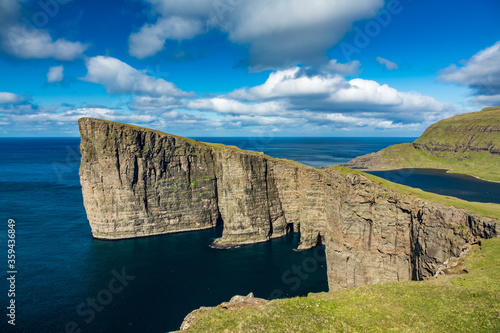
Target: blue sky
{"type": "Point", "coordinates": [246, 68]}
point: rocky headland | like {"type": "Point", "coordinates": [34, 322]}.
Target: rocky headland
{"type": "Point", "coordinates": [139, 182]}
{"type": "Point", "coordinates": [468, 143]}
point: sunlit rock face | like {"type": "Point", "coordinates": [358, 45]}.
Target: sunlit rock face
{"type": "Point", "coordinates": [138, 182]}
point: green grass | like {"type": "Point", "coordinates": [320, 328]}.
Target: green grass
{"type": "Point", "coordinates": [451, 303]}
{"type": "Point", "coordinates": [457, 144]}
{"type": "Point", "coordinates": [466, 129]}
{"type": "Point", "coordinates": [480, 208]}
{"type": "Point", "coordinates": [480, 164]}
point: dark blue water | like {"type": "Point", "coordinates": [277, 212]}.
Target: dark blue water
{"type": "Point", "coordinates": [62, 269]}
{"type": "Point", "coordinates": [439, 181]}
{"type": "Point", "coordinates": [315, 152]}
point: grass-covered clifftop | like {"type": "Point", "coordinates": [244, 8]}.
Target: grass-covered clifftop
{"type": "Point", "coordinates": [468, 143]}
{"type": "Point", "coordinates": [467, 299]}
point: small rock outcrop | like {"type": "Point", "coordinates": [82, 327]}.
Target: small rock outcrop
{"type": "Point", "coordinates": [138, 182]}
{"type": "Point", "coordinates": [236, 303]}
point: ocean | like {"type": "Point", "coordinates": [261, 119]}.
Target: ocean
{"type": "Point", "coordinates": [147, 284]}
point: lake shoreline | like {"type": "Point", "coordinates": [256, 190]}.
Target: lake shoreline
{"type": "Point", "coordinates": [443, 182]}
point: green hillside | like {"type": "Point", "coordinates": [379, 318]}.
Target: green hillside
{"type": "Point", "coordinates": [467, 299]}
{"type": "Point", "coordinates": [468, 143]}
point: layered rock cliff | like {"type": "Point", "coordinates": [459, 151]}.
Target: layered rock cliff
{"type": "Point", "coordinates": [462, 134]}
{"type": "Point", "coordinates": [139, 182]}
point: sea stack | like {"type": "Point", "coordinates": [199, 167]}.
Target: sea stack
{"type": "Point", "coordinates": [140, 182]}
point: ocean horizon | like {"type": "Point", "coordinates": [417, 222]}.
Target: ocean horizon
{"type": "Point", "coordinates": [60, 265]}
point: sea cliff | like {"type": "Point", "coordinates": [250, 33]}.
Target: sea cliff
{"type": "Point", "coordinates": [139, 182]}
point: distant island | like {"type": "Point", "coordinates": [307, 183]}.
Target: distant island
{"type": "Point", "coordinates": [468, 143]}
{"type": "Point", "coordinates": [140, 182]}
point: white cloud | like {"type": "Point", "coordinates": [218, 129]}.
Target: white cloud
{"type": "Point", "coordinates": [285, 32]}
{"type": "Point", "coordinates": [485, 100]}
{"type": "Point", "coordinates": [387, 63]}
{"type": "Point", "coordinates": [55, 74]}
{"type": "Point", "coordinates": [249, 120]}
{"type": "Point", "coordinates": [151, 38]}
{"type": "Point", "coordinates": [155, 103]}
{"type": "Point", "coordinates": [9, 11]}
{"type": "Point", "coordinates": [324, 100]}
{"type": "Point", "coordinates": [120, 78]}
{"type": "Point", "coordinates": [279, 33]}
{"type": "Point", "coordinates": [29, 43]}
{"type": "Point", "coordinates": [334, 67]}
{"type": "Point", "coordinates": [72, 116]}
{"type": "Point", "coordinates": [481, 72]}
{"type": "Point", "coordinates": [224, 105]}
{"type": "Point", "coordinates": [190, 8]}
{"type": "Point", "coordinates": [290, 83]}
{"type": "Point", "coordinates": [324, 92]}
{"type": "Point", "coordinates": [10, 98]}
{"type": "Point", "coordinates": [38, 44]}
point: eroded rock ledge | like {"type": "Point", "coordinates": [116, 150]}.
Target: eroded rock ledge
{"type": "Point", "coordinates": [139, 182]}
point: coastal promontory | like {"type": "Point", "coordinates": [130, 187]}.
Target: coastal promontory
{"type": "Point", "coordinates": [140, 182]}
{"type": "Point", "coordinates": [468, 143]}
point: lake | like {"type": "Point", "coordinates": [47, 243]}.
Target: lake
{"type": "Point", "coordinates": [441, 182]}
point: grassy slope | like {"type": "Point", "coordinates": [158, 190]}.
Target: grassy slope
{"type": "Point", "coordinates": [449, 303]}
{"type": "Point", "coordinates": [451, 131]}
{"type": "Point", "coordinates": [454, 132]}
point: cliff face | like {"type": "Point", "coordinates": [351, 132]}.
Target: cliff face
{"type": "Point", "coordinates": [374, 234]}
{"type": "Point", "coordinates": [138, 182]}
{"type": "Point", "coordinates": [465, 133]}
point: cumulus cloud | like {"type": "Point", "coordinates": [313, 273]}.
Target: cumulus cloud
{"type": "Point", "coordinates": [285, 32]}
{"type": "Point", "coordinates": [485, 100]}
{"type": "Point", "coordinates": [73, 115]}
{"type": "Point", "coordinates": [10, 98]}
{"type": "Point", "coordinates": [294, 97]}
{"type": "Point", "coordinates": [38, 44]}
{"type": "Point", "coordinates": [324, 92]}
{"type": "Point", "coordinates": [191, 8]}
{"type": "Point", "coordinates": [150, 39]}
{"type": "Point", "coordinates": [387, 63]}
{"type": "Point", "coordinates": [64, 119]}
{"type": "Point", "coordinates": [55, 74]}
{"type": "Point", "coordinates": [278, 33]}
{"type": "Point", "coordinates": [291, 82]}
{"type": "Point", "coordinates": [334, 67]}
{"type": "Point", "coordinates": [224, 105]}
{"type": "Point", "coordinates": [481, 73]}
{"type": "Point", "coordinates": [30, 43]}
{"type": "Point", "coordinates": [120, 78]}
{"type": "Point", "coordinates": [156, 103]}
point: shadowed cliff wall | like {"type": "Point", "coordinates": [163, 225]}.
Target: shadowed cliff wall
{"type": "Point", "coordinates": [138, 182]}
